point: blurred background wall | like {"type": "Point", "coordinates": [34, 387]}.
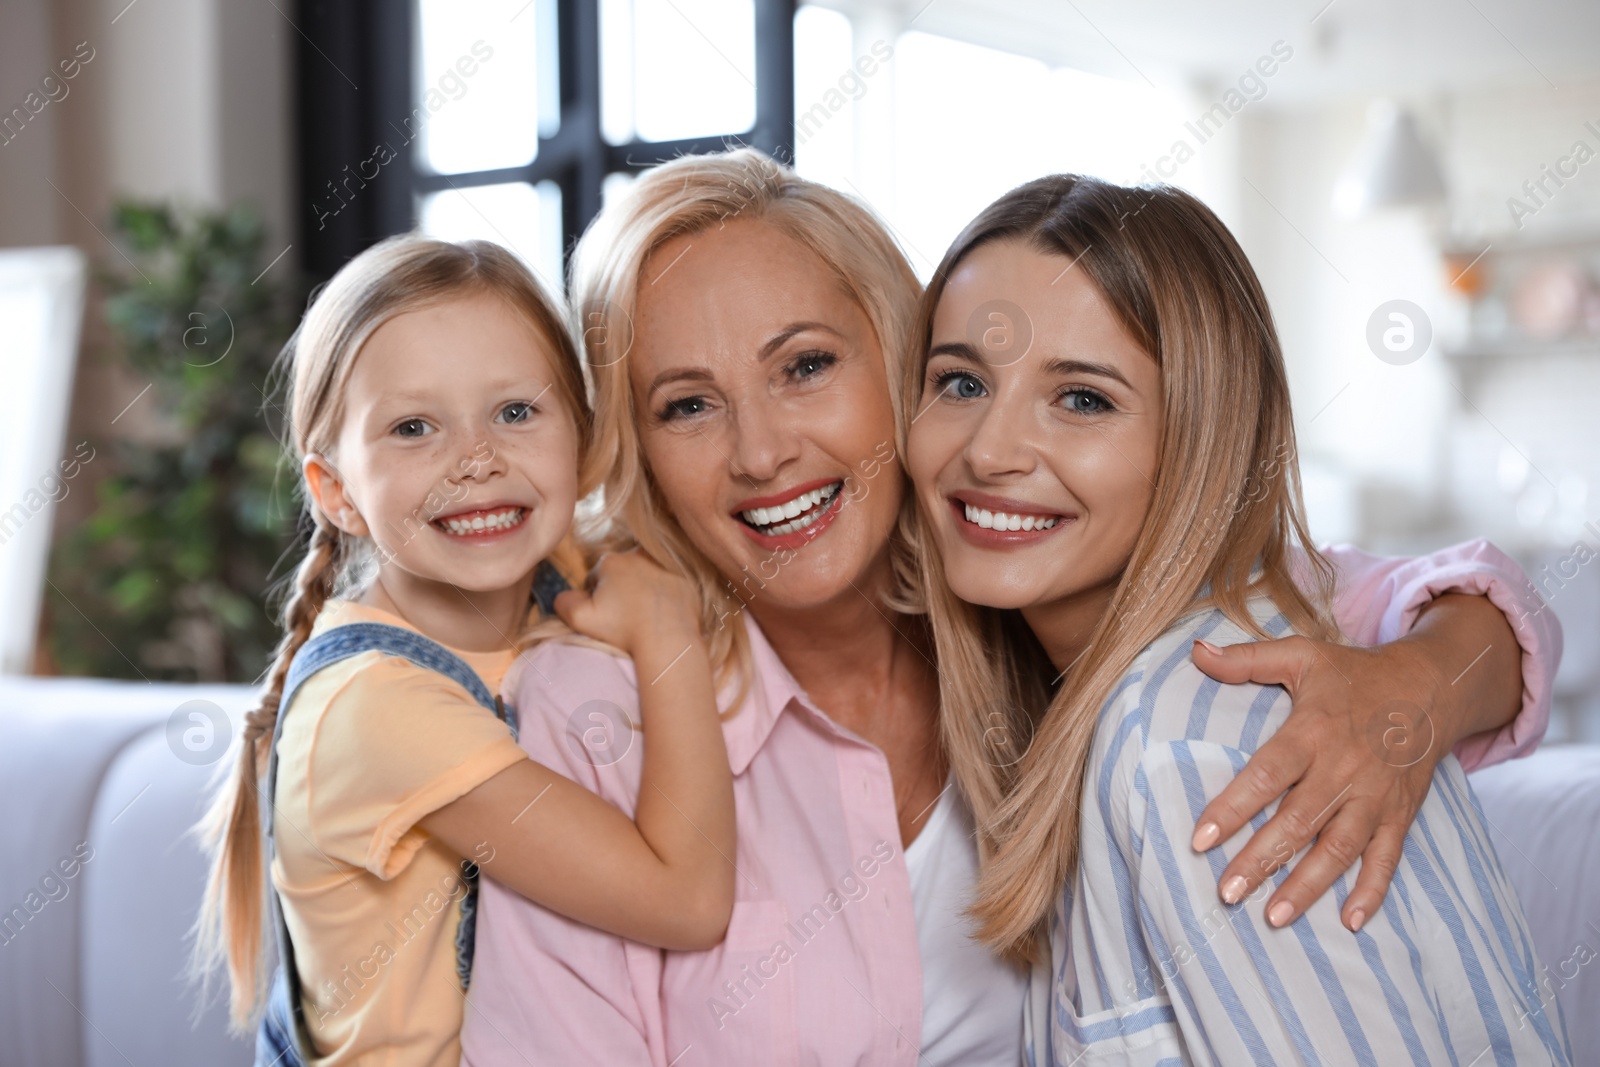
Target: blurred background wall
{"type": "Point", "coordinates": [927, 111]}
{"type": "Point", "coordinates": [188, 101]}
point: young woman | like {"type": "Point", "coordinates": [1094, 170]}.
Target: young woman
{"type": "Point", "coordinates": [1095, 507]}
{"type": "Point", "coordinates": [742, 328]}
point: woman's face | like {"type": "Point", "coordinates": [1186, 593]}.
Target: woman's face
{"type": "Point", "coordinates": [764, 412]}
{"type": "Point", "coordinates": [1036, 467]}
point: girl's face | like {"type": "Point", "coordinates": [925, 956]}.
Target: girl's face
{"type": "Point", "coordinates": [764, 413]}
{"type": "Point", "coordinates": [1037, 467]}
{"type": "Point", "coordinates": [455, 455]}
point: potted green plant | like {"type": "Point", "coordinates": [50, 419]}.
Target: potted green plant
{"type": "Point", "coordinates": [168, 577]}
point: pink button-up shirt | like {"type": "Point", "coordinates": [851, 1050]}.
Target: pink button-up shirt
{"type": "Point", "coordinates": [820, 964]}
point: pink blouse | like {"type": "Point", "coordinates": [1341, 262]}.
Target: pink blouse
{"type": "Point", "coordinates": [820, 964]}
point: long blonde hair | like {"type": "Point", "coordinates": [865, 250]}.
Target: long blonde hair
{"type": "Point", "coordinates": [690, 195]}
{"type": "Point", "coordinates": [402, 274]}
{"type": "Point", "coordinates": [1224, 515]}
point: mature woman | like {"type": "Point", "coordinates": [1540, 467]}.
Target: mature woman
{"type": "Point", "coordinates": [1118, 442]}
{"type": "Point", "coordinates": [743, 327]}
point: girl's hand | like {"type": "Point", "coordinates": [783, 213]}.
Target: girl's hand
{"type": "Point", "coordinates": [1358, 752]}
{"type": "Point", "coordinates": [634, 604]}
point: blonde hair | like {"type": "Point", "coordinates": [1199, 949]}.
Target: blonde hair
{"type": "Point", "coordinates": [401, 274]}
{"type": "Point", "coordinates": [1225, 511]}
{"type": "Point", "coordinates": [690, 195]}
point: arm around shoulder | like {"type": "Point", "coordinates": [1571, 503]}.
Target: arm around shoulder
{"type": "Point", "coordinates": [1381, 599]}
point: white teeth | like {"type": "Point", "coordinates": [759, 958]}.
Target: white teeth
{"type": "Point", "coordinates": [790, 527]}
{"type": "Point", "coordinates": [803, 509]}
{"type": "Point", "coordinates": [496, 521]}
{"type": "Point", "coordinates": [1001, 520]}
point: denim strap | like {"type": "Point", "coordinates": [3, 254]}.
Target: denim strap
{"type": "Point", "coordinates": [327, 648]}
{"type": "Point", "coordinates": [351, 639]}
{"type": "Point", "coordinates": [547, 584]}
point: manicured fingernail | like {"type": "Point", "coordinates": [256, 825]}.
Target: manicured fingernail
{"type": "Point", "coordinates": [1206, 836]}
{"type": "Point", "coordinates": [1357, 917]}
{"type": "Point", "coordinates": [1208, 646]}
{"type": "Point", "coordinates": [1234, 890]}
{"type": "Point", "coordinates": [1280, 913]}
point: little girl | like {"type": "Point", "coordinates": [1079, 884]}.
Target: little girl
{"type": "Point", "coordinates": [437, 409]}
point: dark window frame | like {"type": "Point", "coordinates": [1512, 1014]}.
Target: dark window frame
{"type": "Point", "coordinates": [359, 179]}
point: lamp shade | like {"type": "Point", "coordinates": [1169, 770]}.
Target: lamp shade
{"type": "Point", "coordinates": [1393, 169]}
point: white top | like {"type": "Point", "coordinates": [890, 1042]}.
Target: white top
{"type": "Point", "coordinates": [971, 999]}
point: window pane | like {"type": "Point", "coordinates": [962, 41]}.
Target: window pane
{"type": "Point", "coordinates": [972, 122]}
{"type": "Point", "coordinates": [522, 217]}
{"type": "Point", "coordinates": [616, 70]}
{"type": "Point", "coordinates": [967, 128]}
{"type": "Point", "coordinates": [676, 68]}
{"type": "Point", "coordinates": [476, 84]}
{"type": "Point", "coordinates": [825, 84]}
{"type": "Point", "coordinates": [614, 185]}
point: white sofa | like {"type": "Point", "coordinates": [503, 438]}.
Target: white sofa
{"type": "Point", "coordinates": [95, 977]}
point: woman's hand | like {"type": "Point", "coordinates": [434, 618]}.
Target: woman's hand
{"type": "Point", "coordinates": [1357, 754]}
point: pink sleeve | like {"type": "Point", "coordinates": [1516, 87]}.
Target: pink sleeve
{"type": "Point", "coordinates": [546, 989]}
{"type": "Point", "coordinates": [1378, 599]}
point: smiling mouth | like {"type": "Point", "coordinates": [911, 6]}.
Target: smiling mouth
{"type": "Point", "coordinates": [1007, 520]}
{"type": "Point", "coordinates": [793, 515]}
{"type": "Point", "coordinates": [481, 523]}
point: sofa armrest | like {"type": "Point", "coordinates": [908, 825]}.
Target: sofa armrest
{"type": "Point", "coordinates": [59, 739]}
{"type": "Point", "coordinates": [1544, 817]}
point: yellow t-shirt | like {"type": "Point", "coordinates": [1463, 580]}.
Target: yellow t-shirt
{"type": "Point", "coordinates": [372, 744]}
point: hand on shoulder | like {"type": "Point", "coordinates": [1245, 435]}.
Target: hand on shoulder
{"type": "Point", "coordinates": [634, 604]}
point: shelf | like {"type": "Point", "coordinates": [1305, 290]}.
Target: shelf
{"type": "Point", "coordinates": [1522, 348]}
{"type": "Point", "coordinates": [1520, 244]}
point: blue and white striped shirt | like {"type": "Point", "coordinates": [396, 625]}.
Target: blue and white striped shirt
{"type": "Point", "coordinates": [1148, 968]}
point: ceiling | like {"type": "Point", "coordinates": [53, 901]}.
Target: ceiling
{"type": "Point", "coordinates": [1345, 48]}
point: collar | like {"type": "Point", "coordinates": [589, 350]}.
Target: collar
{"type": "Point", "coordinates": [773, 691]}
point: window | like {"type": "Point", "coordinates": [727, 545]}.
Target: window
{"type": "Point", "coordinates": [514, 120]}
{"type": "Point", "coordinates": [511, 120]}
{"type": "Point", "coordinates": [676, 69]}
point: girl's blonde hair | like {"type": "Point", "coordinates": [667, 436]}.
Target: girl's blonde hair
{"type": "Point", "coordinates": [1223, 517]}
{"type": "Point", "coordinates": [691, 195]}
{"type": "Point", "coordinates": [401, 274]}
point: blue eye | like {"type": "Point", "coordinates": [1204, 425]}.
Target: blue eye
{"type": "Point", "coordinates": [517, 411]}
{"type": "Point", "coordinates": [1081, 401]}
{"type": "Point", "coordinates": [811, 364]}
{"type": "Point", "coordinates": [959, 385]}
{"type": "Point", "coordinates": [413, 428]}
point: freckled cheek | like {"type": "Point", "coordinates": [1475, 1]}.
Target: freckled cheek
{"type": "Point", "coordinates": [396, 488]}
{"type": "Point", "coordinates": [546, 459]}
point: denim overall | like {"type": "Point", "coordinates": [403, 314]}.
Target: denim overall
{"type": "Point", "coordinates": [284, 1039]}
